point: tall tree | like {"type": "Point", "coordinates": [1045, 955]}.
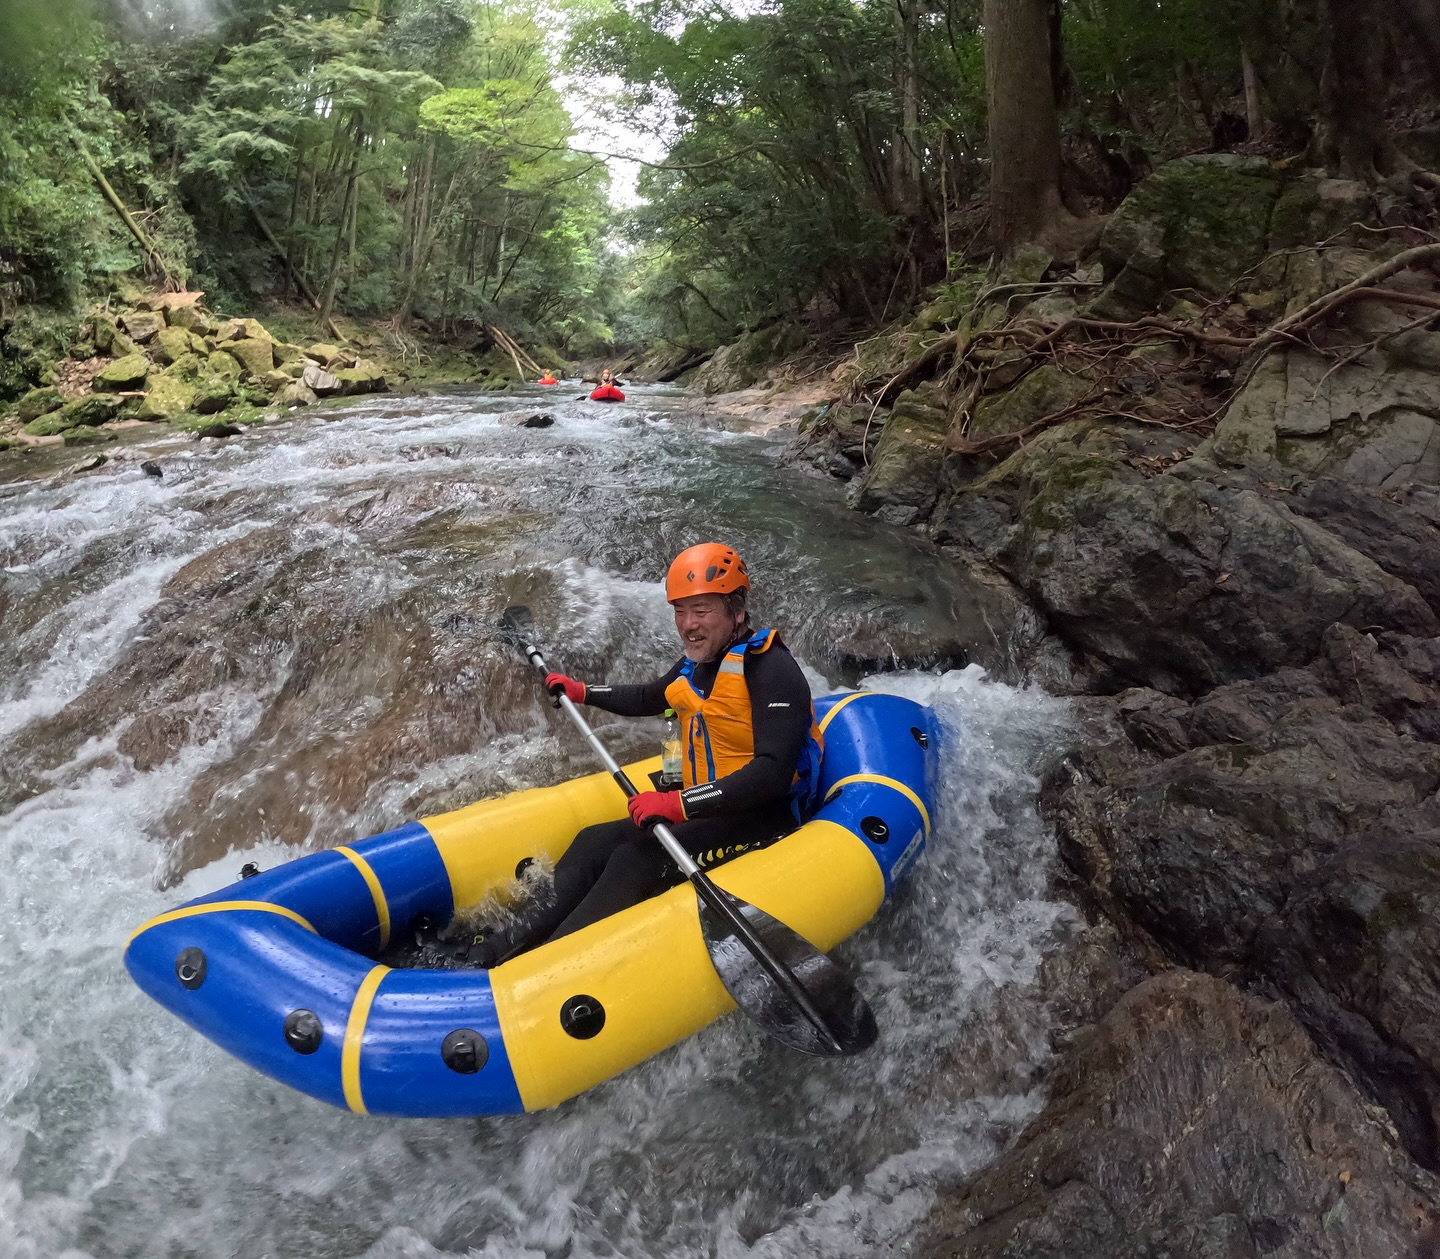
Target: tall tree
{"type": "Point", "coordinates": [1024, 125]}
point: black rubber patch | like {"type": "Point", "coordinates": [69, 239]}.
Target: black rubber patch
{"type": "Point", "coordinates": [190, 967]}
{"type": "Point", "coordinates": [303, 1032]}
{"type": "Point", "coordinates": [249, 870]}
{"type": "Point", "coordinates": [582, 1017]}
{"type": "Point", "coordinates": [522, 865]}
{"type": "Point", "coordinates": [920, 736]}
{"type": "Point", "coordinates": [464, 1051]}
{"type": "Point", "coordinates": [875, 830]}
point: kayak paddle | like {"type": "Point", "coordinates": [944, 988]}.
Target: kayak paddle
{"type": "Point", "coordinates": [790, 989]}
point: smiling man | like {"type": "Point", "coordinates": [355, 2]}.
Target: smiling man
{"type": "Point", "coordinates": [750, 756]}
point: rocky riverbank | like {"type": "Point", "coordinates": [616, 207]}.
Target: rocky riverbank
{"type": "Point", "coordinates": [165, 359]}
{"type": "Point", "coordinates": [1208, 465]}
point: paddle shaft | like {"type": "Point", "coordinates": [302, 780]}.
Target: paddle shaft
{"type": "Point", "coordinates": [712, 895]}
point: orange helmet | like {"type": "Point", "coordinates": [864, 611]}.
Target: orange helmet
{"type": "Point", "coordinates": [706, 569]}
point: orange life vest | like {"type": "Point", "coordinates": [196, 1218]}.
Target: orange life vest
{"type": "Point", "coordinates": [716, 734]}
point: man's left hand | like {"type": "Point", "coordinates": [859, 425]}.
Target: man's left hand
{"type": "Point", "coordinates": [657, 806]}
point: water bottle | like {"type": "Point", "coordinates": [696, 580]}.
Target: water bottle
{"type": "Point", "coordinates": [670, 775]}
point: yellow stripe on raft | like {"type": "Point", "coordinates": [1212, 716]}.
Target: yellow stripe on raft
{"type": "Point", "coordinates": [377, 893]}
{"type": "Point", "coordinates": [894, 783]}
{"type": "Point", "coordinates": [649, 968]}
{"type": "Point", "coordinates": [216, 907]}
{"type": "Point", "coordinates": [849, 699]}
{"type": "Point", "coordinates": [355, 1037]}
{"type": "Point", "coordinates": [483, 843]}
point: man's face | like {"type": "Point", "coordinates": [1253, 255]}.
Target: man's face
{"type": "Point", "coordinates": [705, 626]}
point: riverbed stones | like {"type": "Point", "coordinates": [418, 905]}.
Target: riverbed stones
{"type": "Point", "coordinates": [296, 394]}
{"type": "Point", "coordinates": [1192, 1120]}
{"type": "Point", "coordinates": [253, 354]}
{"type": "Point", "coordinates": [93, 409]}
{"type": "Point", "coordinates": [171, 344]}
{"type": "Point", "coordinates": [224, 366]}
{"type": "Point", "coordinates": [142, 326]}
{"type": "Point", "coordinates": [903, 480]}
{"type": "Point", "coordinates": [168, 397]}
{"type": "Point", "coordinates": [211, 395]}
{"type": "Point", "coordinates": [321, 382]}
{"type": "Point", "coordinates": [85, 435]}
{"type": "Point", "coordinates": [123, 374]}
{"type": "Point", "coordinates": [38, 402]}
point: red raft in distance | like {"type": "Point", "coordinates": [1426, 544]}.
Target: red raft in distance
{"type": "Point", "coordinates": [607, 393]}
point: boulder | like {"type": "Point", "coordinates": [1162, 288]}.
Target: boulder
{"type": "Point", "coordinates": [189, 366]}
{"type": "Point", "coordinates": [323, 353]}
{"type": "Point", "coordinates": [211, 395]}
{"type": "Point", "coordinates": [1198, 222]}
{"type": "Point", "coordinates": [903, 480]}
{"type": "Point", "coordinates": [219, 430]}
{"type": "Point", "coordinates": [285, 353]}
{"type": "Point", "coordinates": [256, 331]}
{"type": "Point", "coordinates": [230, 330]}
{"type": "Point", "coordinates": [274, 380]}
{"type": "Point", "coordinates": [322, 382]}
{"type": "Point", "coordinates": [193, 319]}
{"type": "Point", "coordinates": [142, 326]}
{"type": "Point", "coordinates": [168, 397]}
{"type": "Point", "coordinates": [253, 353]}
{"type": "Point", "coordinates": [1193, 1120]}
{"type": "Point", "coordinates": [38, 402]}
{"type": "Point", "coordinates": [224, 365]}
{"type": "Point", "coordinates": [1314, 207]}
{"type": "Point", "coordinates": [527, 419]}
{"type": "Point", "coordinates": [364, 377]}
{"type": "Point", "coordinates": [1042, 392]}
{"type": "Point", "coordinates": [49, 425]}
{"type": "Point", "coordinates": [171, 344]}
{"type": "Point", "coordinates": [93, 409]}
{"type": "Point", "coordinates": [1375, 421]}
{"type": "Point", "coordinates": [296, 394]}
{"type": "Point", "coordinates": [123, 374]}
{"type": "Point", "coordinates": [87, 436]}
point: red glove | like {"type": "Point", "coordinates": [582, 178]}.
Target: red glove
{"type": "Point", "coordinates": [657, 806]}
{"type": "Point", "coordinates": [558, 683]}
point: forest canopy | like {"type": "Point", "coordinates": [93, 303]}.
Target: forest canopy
{"type": "Point", "coordinates": [820, 160]}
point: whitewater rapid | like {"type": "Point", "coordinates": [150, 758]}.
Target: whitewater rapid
{"type": "Point", "coordinates": [123, 1133]}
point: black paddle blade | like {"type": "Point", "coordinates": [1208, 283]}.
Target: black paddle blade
{"type": "Point", "coordinates": [847, 1025]}
{"type": "Point", "coordinates": [517, 626]}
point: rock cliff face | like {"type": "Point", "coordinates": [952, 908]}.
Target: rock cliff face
{"type": "Point", "coordinates": [1233, 545]}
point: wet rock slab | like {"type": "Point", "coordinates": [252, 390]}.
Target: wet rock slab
{"type": "Point", "coordinates": [1194, 1120]}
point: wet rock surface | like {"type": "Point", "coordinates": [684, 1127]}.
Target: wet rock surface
{"type": "Point", "coordinates": [1193, 1120]}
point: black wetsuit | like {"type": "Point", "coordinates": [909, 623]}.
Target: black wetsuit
{"type": "Point", "coordinates": [613, 865]}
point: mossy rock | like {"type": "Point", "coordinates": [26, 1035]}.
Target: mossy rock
{"type": "Point", "coordinates": [189, 366]}
{"type": "Point", "coordinates": [256, 331]}
{"type": "Point", "coordinates": [211, 396]}
{"type": "Point", "coordinates": [192, 319]}
{"type": "Point", "coordinates": [93, 410]}
{"type": "Point", "coordinates": [171, 344]}
{"type": "Point", "coordinates": [239, 414]}
{"type": "Point", "coordinates": [1043, 392]}
{"type": "Point", "coordinates": [38, 402]}
{"type": "Point", "coordinates": [223, 365]}
{"type": "Point", "coordinates": [253, 353]}
{"type": "Point", "coordinates": [1205, 219]}
{"type": "Point", "coordinates": [364, 377]}
{"type": "Point", "coordinates": [123, 374]}
{"type": "Point", "coordinates": [49, 425]}
{"type": "Point", "coordinates": [274, 380]}
{"type": "Point", "coordinates": [286, 353]}
{"type": "Point", "coordinates": [1315, 208]}
{"type": "Point", "coordinates": [35, 340]}
{"type": "Point", "coordinates": [168, 397]}
{"type": "Point", "coordinates": [86, 436]}
{"type": "Point", "coordinates": [142, 325]}
{"type": "Point", "coordinates": [903, 481]}
{"type": "Point", "coordinates": [322, 352]}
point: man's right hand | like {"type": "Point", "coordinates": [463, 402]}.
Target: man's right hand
{"type": "Point", "coordinates": [558, 684]}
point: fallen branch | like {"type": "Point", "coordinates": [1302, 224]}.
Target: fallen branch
{"type": "Point", "coordinates": [125, 216]}
{"type": "Point", "coordinates": [284, 255]}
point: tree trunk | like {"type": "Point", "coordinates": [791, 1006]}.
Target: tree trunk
{"type": "Point", "coordinates": [327, 303]}
{"type": "Point", "coordinates": [1025, 204]}
{"type": "Point", "coordinates": [905, 158]}
{"type": "Point", "coordinates": [1353, 141]}
{"type": "Point", "coordinates": [1254, 120]}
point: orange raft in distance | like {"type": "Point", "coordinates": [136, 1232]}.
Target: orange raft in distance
{"type": "Point", "coordinates": [607, 393]}
{"type": "Point", "coordinates": [548, 379]}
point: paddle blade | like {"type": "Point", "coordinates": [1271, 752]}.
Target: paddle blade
{"type": "Point", "coordinates": [517, 626]}
{"type": "Point", "coordinates": [848, 1025]}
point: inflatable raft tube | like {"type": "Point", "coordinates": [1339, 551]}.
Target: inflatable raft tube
{"type": "Point", "coordinates": [607, 393]}
{"type": "Point", "coordinates": [278, 969]}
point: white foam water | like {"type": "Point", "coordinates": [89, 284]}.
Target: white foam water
{"type": "Point", "coordinates": [123, 1134]}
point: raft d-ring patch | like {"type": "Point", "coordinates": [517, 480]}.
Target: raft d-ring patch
{"type": "Point", "coordinates": [582, 1017]}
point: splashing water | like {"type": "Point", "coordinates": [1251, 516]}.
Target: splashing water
{"type": "Point", "coordinates": [218, 667]}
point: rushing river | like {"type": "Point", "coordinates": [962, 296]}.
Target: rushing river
{"type": "Point", "coordinates": [286, 642]}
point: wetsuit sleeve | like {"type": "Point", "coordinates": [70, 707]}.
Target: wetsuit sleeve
{"type": "Point", "coordinates": [640, 699]}
{"type": "Point", "coordinates": [780, 718]}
